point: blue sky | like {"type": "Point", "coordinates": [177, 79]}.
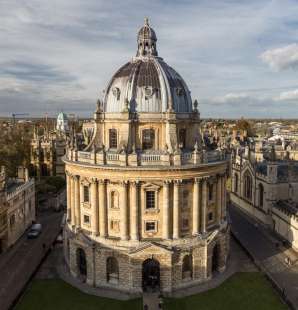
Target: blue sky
{"type": "Point", "coordinates": [239, 58]}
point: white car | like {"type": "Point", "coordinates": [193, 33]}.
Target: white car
{"type": "Point", "coordinates": [34, 231]}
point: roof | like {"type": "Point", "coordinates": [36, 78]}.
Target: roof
{"type": "Point", "coordinates": [147, 83]}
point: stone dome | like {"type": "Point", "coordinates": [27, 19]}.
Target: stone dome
{"type": "Point", "coordinates": [147, 83]}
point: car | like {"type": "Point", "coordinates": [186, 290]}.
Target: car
{"type": "Point", "coordinates": [34, 231]}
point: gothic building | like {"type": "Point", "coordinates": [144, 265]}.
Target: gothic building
{"type": "Point", "coordinates": [267, 190]}
{"type": "Point", "coordinates": [146, 200]}
{"type": "Point", "coordinates": [17, 206]}
{"type": "Point", "coordinates": [48, 148]}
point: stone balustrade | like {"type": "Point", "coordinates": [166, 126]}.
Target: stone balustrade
{"type": "Point", "coordinates": [145, 158]}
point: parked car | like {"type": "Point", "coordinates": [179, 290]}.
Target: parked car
{"type": "Point", "coordinates": [34, 231]}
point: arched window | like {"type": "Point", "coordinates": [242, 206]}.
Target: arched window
{"type": "Point", "coordinates": [114, 200]}
{"type": "Point", "coordinates": [247, 186]}
{"type": "Point", "coordinates": [235, 182]}
{"type": "Point", "coordinates": [261, 195]}
{"type": "Point", "coordinates": [113, 138]}
{"type": "Point", "coordinates": [148, 137]}
{"type": "Point", "coordinates": [112, 270]}
{"type": "Point", "coordinates": [187, 267]}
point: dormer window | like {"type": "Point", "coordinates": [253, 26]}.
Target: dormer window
{"type": "Point", "coordinates": [148, 137]}
{"type": "Point", "coordinates": [113, 138]}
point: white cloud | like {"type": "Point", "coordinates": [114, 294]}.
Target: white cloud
{"type": "Point", "coordinates": [288, 96]}
{"type": "Point", "coordinates": [282, 58]}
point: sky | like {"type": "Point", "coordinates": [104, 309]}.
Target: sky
{"type": "Point", "coordinates": [238, 58]}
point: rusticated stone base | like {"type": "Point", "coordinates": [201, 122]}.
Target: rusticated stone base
{"type": "Point", "coordinates": [207, 255]}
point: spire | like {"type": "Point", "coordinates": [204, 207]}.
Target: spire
{"type": "Point", "coordinates": [146, 40]}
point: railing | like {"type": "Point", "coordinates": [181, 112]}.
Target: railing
{"type": "Point", "coordinates": [112, 157]}
{"type": "Point", "coordinates": [150, 157]}
{"type": "Point", "coordinates": [145, 159]}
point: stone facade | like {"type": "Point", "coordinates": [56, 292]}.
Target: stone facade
{"type": "Point", "coordinates": [146, 200]}
{"type": "Point", "coordinates": [268, 191]}
{"type": "Point", "coordinates": [48, 149]}
{"type": "Point", "coordinates": [17, 207]}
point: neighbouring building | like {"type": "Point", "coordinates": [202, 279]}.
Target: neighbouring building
{"type": "Point", "coordinates": [17, 206]}
{"type": "Point", "coordinates": [146, 199]}
{"type": "Point", "coordinates": [48, 149]}
{"type": "Point", "coordinates": [267, 190]}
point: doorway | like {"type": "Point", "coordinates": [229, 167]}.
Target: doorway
{"type": "Point", "coordinates": [151, 275]}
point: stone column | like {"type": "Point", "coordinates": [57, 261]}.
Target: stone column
{"type": "Point", "coordinates": [123, 212]}
{"type": "Point", "coordinates": [224, 197]}
{"type": "Point", "coordinates": [77, 201]}
{"type": "Point", "coordinates": [68, 193]}
{"type": "Point", "coordinates": [218, 199]}
{"type": "Point", "coordinates": [72, 201]}
{"type": "Point", "coordinates": [176, 228]}
{"type": "Point", "coordinates": [196, 206]}
{"type": "Point", "coordinates": [94, 208]}
{"type": "Point", "coordinates": [134, 216]}
{"type": "Point", "coordinates": [166, 210]}
{"type": "Point", "coordinates": [204, 206]}
{"type": "Point", "coordinates": [102, 208]}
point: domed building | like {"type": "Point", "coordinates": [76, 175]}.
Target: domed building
{"type": "Point", "coordinates": [146, 198]}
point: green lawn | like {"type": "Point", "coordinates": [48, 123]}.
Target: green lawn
{"type": "Point", "coordinates": [242, 291]}
{"type": "Point", "coordinates": [58, 295]}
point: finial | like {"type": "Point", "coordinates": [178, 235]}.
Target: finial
{"type": "Point", "coordinates": [146, 21]}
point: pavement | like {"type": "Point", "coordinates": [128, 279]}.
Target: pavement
{"type": "Point", "coordinates": [21, 261]}
{"type": "Point", "coordinates": [268, 253]}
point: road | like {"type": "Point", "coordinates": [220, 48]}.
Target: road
{"type": "Point", "coordinates": [261, 244]}
{"type": "Point", "coordinates": [20, 262]}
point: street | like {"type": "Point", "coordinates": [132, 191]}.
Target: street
{"type": "Point", "coordinates": [20, 262]}
{"type": "Point", "coordinates": [261, 244]}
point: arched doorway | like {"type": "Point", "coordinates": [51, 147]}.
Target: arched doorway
{"type": "Point", "coordinates": [82, 263]}
{"type": "Point", "coordinates": [112, 270]}
{"type": "Point", "coordinates": [215, 258]}
{"type": "Point", "coordinates": [151, 275]}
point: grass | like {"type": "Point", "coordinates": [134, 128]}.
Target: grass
{"type": "Point", "coordinates": [244, 291]}
{"type": "Point", "coordinates": [58, 295]}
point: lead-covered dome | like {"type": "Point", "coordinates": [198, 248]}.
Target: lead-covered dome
{"type": "Point", "coordinates": [147, 83]}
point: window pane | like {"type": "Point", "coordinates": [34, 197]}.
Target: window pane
{"type": "Point", "coordinates": [86, 193]}
{"type": "Point", "coordinates": [113, 138]}
{"type": "Point", "coordinates": [148, 139]}
{"type": "Point", "coordinates": [150, 200]}
{"type": "Point", "coordinates": [150, 226]}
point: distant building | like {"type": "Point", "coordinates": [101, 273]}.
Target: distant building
{"type": "Point", "coordinates": [62, 123]}
{"type": "Point", "coordinates": [267, 190]}
{"type": "Point", "coordinates": [17, 206]}
{"type": "Point", "coordinates": [48, 149]}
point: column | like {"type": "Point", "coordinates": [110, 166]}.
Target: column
{"type": "Point", "coordinates": [176, 219]}
{"type": "Point", "coordinates": [102, 208]}
{"type": "Point", "coordinates": [196, 206]}
{"type": "Point", "coordinates": [68, 193]}
{"type": "Point", "coordinates": [218, 199]}
{"type": "Point", "coordinates": [77, 200]}
{"type": "Point", "coordinates": [224, 197]}
{"type": "Point", "coordinates": [166, 210]}
{"type": "Point", "coordinates": [72, 201]}
{"type": "Point", "coordinates": [123, 213]}
{"type": "Point", "coordinates": [134, 216]}
{"type": "Point", "coordinates": [204, 206]}
{"type": "Point", "coordinates": [94, 208]}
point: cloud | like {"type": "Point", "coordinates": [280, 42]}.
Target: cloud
{"type": "Point", "coordinates": [282, 58]}
{"type": "Point", "coordinates": [288, 96]}
{"type": "Point", "coordinates": [61, 54]}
